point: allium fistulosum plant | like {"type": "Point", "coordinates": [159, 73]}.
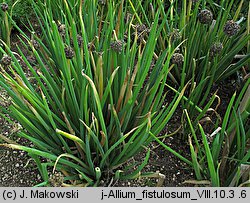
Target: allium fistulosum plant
{"type": "Point", "coordinates": [210, 45]}
{"type": "Point", "coordinates": [226, 150]}
{"type": "Point", "coordinates": [89, 104]}
{"type": "Point", "coordinates": [221, 158]}
{"type": "Point", "coordinates": [5, 24]}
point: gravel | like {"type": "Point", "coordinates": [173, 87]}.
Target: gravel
{"type": "Point", "coordinates": [17, 170]}
{"type": "Point", "coordinates": [16, 167]}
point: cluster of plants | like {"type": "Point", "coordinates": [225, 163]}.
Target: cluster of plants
{"type": "Point", "coordinates": [100, 78]}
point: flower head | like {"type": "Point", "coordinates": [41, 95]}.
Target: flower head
{"type": "Point", "coordinates": [142, 31]}
{"type": "Point", "coordinates": [69, 52]}
{"type": "Point", "coordinates": [56, 179]}
{"type": "Point", "coordinates": [177, 59]}
{"type": "Point", "coordinates": [102, 2]}
{"type": "Point", "coordinates": [79, 41]}
{"type": "Point", "coordinates": [231, 28]}
{"type": "Point", "coordinates": [216, 48]}
{"type": "Point", "coordinates": [205, 16]}
{"type": "Point", "coordinates": [116, 46]}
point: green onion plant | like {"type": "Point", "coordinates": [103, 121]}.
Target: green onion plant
{"type": "Point", "coordinates": [90, 103]}
{"type": "Point", "coordinates": [222, 157]}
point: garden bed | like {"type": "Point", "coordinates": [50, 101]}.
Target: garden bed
{"type": "Point", "coordinates": [20, 170]}
{"type": "Point", "coordinates": [120, 93]}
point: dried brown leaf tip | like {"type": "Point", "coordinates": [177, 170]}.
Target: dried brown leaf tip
{"type": "Point", "coordinates": [4, 6]}
{"type": "Point", "coordinates": [205, 16]}
{"type": "Point", "coordinates": [177, 59]}
{"type": "Point", "coordinates": [231, 28]}
{"type": "Point", "coordinates": [6, 60]}
{"type": "Point", "coordinates": [69, 52]}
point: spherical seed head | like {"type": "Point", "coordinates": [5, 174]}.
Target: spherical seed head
{"type": "Point", "coordinates": [4, 7]}
{"type": "Point", "coordinates": [6, 60]}
{"type": "Point", "coordinates": [69, 52]}
{"type": "Point", "coordinates": [116, 46]}
{"type": "Point", "coordinates": [56, 179]}
{"type": "Point", "coordinates": [231, 28]}
{"type": "Point", "coordinates": [205, 16]}
{"type": "Point", "coordinates": [142, 31]}
{"type": "Point", "coordinates": [141, 28]}
{"type": "Point", "coordinates": [177, 59]}
{"type": "Point", "coordinates": [79, 40]}
{"type": "Point", "coordinates": [175, 35]}
{"type": "Point", "coordinates": [102, 2]}
{"type": "Point", "coordinates": [35, 44]}
{"type": "Point", "coordinates": [216, 48]}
